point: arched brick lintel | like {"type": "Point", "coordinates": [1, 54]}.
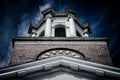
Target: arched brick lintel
{"type": "Point", "coordinates": [48, 50]}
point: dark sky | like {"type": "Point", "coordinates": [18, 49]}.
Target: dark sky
{"type": "Point", "coordinates": [16, 15]}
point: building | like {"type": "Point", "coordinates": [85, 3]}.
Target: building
{"type": "Point", "coordinates": [59, 45]}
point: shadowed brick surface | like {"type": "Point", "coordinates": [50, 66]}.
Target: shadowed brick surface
{"type": "Point", "coordinates": [26, 51]}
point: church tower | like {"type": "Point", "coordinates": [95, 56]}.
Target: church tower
{"type": "Point", "coordinates": [60, 34]}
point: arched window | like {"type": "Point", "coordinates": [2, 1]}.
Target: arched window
{"type": "Point", "coordinates": [60, 31]}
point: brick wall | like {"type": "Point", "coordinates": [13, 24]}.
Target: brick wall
{"type": "Point", "coordinates": [26, 51]}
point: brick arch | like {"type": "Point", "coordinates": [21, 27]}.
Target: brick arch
{"type": "Point", "coordinates": [76, 53]}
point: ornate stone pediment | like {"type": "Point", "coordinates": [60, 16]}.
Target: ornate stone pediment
{"type": "Point", "coordinates": [61, 52]}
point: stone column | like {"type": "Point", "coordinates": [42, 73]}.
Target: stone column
{"type": "Point", "coordinates": [72, 27]}
{"type": "Point", "coordinates": [53, 32]}
{"type": "Point", "coordinates": [48, 27]}
{"type": "Point", "coordinates": [67, 29]}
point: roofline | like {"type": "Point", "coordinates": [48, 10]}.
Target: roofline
{"type": "Point", "coordinates": [31, 26]}
{"type": "Point", "coordinates": [67, 11]}
{"type": "Point", "coordinates": [46, 11]}
{"type": "Point", "coordinates": [47, 64]}
{"type": "Point", "coordinates": [59, 39]}
{"type": "Point", "coordinates": [54, 14]}
{"type": "Point", "coordinates": [71, 11]}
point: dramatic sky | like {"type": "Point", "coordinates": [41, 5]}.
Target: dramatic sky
{"type": "Point", "coordinates": [16, 15]}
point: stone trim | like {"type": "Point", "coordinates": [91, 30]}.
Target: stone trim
{"type": "Point", "coordinates": [60, 39]}
{"type": "Point", "coordinates": [14, 39]}
{"type": "Point", "coordinates": [71, 63]}
{"type": "Point", "coordinates": [76, 54]}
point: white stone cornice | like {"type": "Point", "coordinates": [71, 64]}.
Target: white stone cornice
{"type": "Point", "coordinates": [70, 63]}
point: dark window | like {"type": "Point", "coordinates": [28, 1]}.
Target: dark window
{"type": "Point", "coordinates": [78, 34]}
{"type": "Point", "coordinates": [42, 34]}
{"type": "Point", "coordinates": [60, 32]}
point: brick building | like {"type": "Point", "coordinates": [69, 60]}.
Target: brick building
{"type": "Point", "coordinates": [59, 45]}
{"type": "Point", "coordinates": [60, 34]}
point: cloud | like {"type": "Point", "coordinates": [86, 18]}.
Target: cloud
{"type": "Point", "coordinates": [24, 25]}
{"type": "Point", "coordinates": [25, 20]}
{"type": "Point", "coordinates": [5, 41]}
{"type": "Point", "coordinates": [16, 17]}
{"type": "Point", "coordinates": [47, 5]}
{"type": "Point", "coordinates": [11, 26]}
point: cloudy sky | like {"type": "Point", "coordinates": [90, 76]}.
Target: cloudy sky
{"type": "Point", "coordinates": [16, 15]}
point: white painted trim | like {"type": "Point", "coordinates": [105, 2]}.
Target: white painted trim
{"type": "Point", "coordinates": [61, 42]}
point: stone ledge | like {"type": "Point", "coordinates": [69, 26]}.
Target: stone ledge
{"type": "Point", "coordinates": [60, 39]}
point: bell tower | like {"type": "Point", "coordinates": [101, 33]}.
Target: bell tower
{"type": "Point", "coordinates": [59, 25]}
{"type": "Point", "coordinates": [60, 34]}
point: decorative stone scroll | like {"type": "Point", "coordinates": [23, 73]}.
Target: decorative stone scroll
{"type": "Point", "coordinates": [67, 53]}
